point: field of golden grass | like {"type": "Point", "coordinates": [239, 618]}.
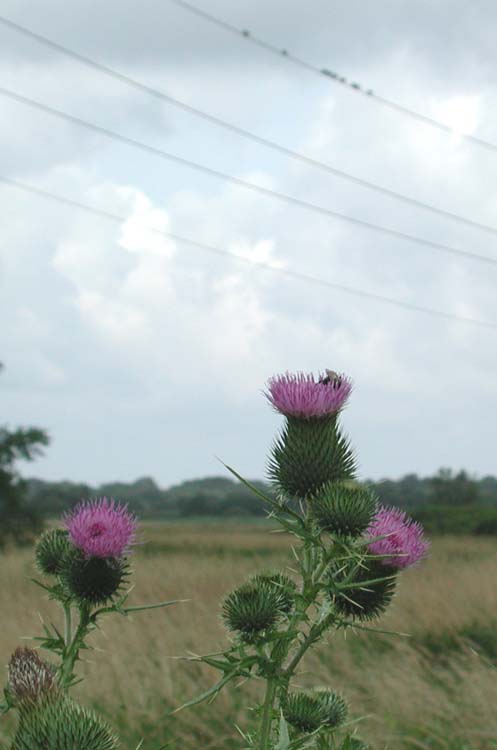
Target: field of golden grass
{"type": "Point", "coordinates": [433, 690]}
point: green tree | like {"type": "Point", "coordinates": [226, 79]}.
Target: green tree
{"type": "Point", "coordinates": [454, 489]}
{"type": "Point", "coordinates": [18, 521]}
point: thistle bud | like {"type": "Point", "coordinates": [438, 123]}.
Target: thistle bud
{"type": "Point", "coordinates": [363, 600]}
{"type": "Point", "coordinates": [303, 712]}
{"type": "Point", "coordinates": [342, 509]}
{"type": "Point", "coordinates": [29, 677]}
{"type": "Point", "coordinates": [307, 454]}
{"type": "Point", "coordinates": [283, 586]}
{"type": "Point", "coordinates": [334, 706]}
{"type": "Point", "coordinates": [51, 551]}
{"type": "Point", "coordinates": [253, 608]}
{"type": "Point", "coordinates": [308, 711]}
{"type": "Point", "coordinates": [93, 580]}
{"type": "Point", "coordinates": [48, 718]}
{"type": "Point", "coordinates": [61, 724]}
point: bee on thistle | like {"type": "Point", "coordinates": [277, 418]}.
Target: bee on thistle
{"type": "Point", "coordinates": [331, 377]}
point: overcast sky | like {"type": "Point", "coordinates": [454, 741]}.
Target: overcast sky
{"type": "Point", "coordinates": [143, 356]}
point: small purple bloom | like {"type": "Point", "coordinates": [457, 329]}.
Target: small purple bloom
{"type": "Point", "coordinates": [101, 528]}
{"type": "Point", "coordinates": [301, 395]}
{"type": "Point", "coordinates": [402, 540]}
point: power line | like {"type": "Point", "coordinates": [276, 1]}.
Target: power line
{"type": "Point", "coordinates": [283, 197]}
{"type": "Point", "coordinates": [330, 75]}
{"type": "Point", "coordinates": [117, 218]}
{"type": "Point", "coordinates": [303, 158]}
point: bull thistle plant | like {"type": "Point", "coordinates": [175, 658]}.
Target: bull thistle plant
{"type": "Point", "coordinates": [349, 553]}
{"type": "Point", "coordinates": [86, 564]}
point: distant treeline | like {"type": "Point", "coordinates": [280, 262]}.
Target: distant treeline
{"type": "Point", "coordinates": [448, 502]}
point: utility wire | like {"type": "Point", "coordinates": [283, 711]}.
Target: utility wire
{"type": "Point", "coordinates": [303, 158]}
{"type": "Point", "coordinates": [119, 219]}
{"type": "Point", "coordinates": [283, 197]}
{"type": "Point", "coordinates": [334, 77]}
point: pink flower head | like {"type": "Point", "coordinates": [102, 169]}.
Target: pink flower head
{"type": "Point", "coordinates": [300, 395]}
{"type": "Point", "coordinates": [402, 538]}
{"type": "Point", "coordinates": [101, 528]}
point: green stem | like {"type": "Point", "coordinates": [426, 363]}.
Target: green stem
{"type": "Point", "coordinates": [320, 570]}
{"type": "Point", "coordinates": [67, 624]}
{"type": "Point", "coordinates": [267, 714]}
{"type": "Point", "coordinates": [317, 629]}
{"type": "Point", "coordinates": [299, 616]}
{"type": "Point", "coordinates": [71, 652]}
{"type": "Point", "coordinates": [314, 634]}
{"type": "Point", "coordinates": [311, 588]}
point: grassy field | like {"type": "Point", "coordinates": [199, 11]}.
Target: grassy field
{"type": "Point", "coordinates": [436, 689]}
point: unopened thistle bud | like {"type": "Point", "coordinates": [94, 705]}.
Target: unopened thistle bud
{"type": "Point", "coordinates": [93, 580]}
{"type": "Point", "coordinates": [29, 677]}
{"type": "Point", "coordinates": [283, 586]}
{"type": "Point", "coordinates": [342, 509]}
{"type": "Point", "coordinates": [371, 593]}
{"type": "Point", "coordinates": [51, 551]}
{"type": "Point", "coordinates": [61, 724]}
{"type": "Point", "coordinates": [334, 707]}
{"type": "Point", "coordinates": [307, 711]}
{"type": "Point", "coordinates": [48, 718]}
{"type": "Point", "coordinates": [252, 609]}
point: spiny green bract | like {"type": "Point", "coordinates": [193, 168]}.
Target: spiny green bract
{"type": "Point", "coordinates": [61, 724]}
{"type": "Point", "coordinates": [342, 509]}
{"type": "Point", "coordinates": [308, 711]}
{"type": "Point", "coordinates": [334, 707]}
{"type": "Point", "coordinates": [253, 608]}
{"type": "Point", "coordinates": [307, 454]}
{"type": "Point", "coordinates": [93, 580]}
{"type": "Point", "coordinates": [363, 600]}
{"type": "Point", "coordinates": [52, 550]}
{"type": "Point", "coordinates": [282, 584]}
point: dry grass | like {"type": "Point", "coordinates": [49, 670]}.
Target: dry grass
{"type": "Point", "coordinates": [435, 690]}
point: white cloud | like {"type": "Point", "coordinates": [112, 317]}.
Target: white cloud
{"type": "Point", "coordinates": [460, 113]}
{"type": "Point", "coordinates": [137, 233]}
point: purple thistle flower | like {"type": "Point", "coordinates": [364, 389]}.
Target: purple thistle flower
{"type": "Point", "coordinates": [403, 539]}
{"type": "Point", "coordinates": [101, 528]}
{"type": "Point", "coordinates": [300, 395]}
